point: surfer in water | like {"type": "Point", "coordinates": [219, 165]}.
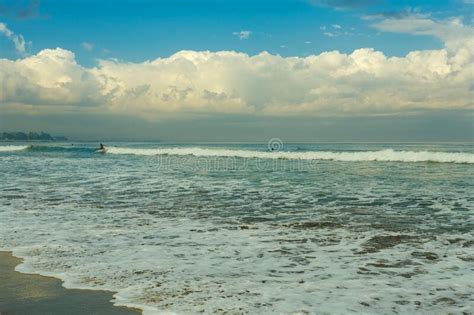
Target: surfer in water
{"type": "Point", "coordinates": [102, 148]}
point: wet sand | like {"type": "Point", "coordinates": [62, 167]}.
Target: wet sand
{"type": "Point", "coordinates": [34, 294]}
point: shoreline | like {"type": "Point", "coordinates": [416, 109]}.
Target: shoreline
{"type": "Point", "coordinates": [22, 293]}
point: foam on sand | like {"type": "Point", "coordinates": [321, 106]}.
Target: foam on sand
{"type": "Point", "coordinates": [21, 293]}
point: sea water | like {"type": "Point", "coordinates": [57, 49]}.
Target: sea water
{"type": "Point", "coordinates": [247, 228]}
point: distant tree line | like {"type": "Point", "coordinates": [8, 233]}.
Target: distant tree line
{"type": "Point", "coordinates": [30, 136]}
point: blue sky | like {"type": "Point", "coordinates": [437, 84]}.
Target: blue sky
{"type": "Point", "coordinates": [217, 69]}
{"type": "Point", "coordinates": [143, 30]}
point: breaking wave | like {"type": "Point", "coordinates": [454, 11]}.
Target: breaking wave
{"type": "Point", "coordinates": [7, 148]}
{"type": "Point", "coordinates": [388, 155]}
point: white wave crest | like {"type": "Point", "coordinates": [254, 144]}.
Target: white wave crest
{"type": "Point", "coordinates": [387, 155]}
{"type": "Point", "coordinates": [6, 148]}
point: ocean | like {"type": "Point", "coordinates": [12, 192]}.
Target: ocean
{"type": "Point", "coordinates": [247, 228]}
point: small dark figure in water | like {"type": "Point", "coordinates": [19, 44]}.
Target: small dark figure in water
{"type": "Point", "coordinates": [102, 147]}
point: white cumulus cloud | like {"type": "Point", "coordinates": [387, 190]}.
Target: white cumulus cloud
{"type": "Point", "coordinates": [17, 39]}
{"type": "Point", "coordinates": [51, 77]}
{"type": "Point", "coordinates": [242, 34]}
{"type": "Point", "coordinates": [365, 81]}
{"type": "Point", "coordinates": [451, 31]}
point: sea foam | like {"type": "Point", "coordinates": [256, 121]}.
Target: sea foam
{"type": "Point", "coordinates": [373, 239]}
{"type": "Point", "coordinates": [7, 148]}
{"type": "Point", "coordinates": [388, 155]}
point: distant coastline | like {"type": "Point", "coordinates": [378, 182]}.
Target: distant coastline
{"type": "Point", "coordinates": [30, 136]}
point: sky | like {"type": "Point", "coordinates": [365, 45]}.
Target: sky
{"type": "Point", "coordinates": [228, 70]}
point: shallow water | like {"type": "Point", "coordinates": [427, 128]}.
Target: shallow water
{"type": "Point", "coordinates": [230, 228]}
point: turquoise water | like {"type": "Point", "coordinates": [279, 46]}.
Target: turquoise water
{"type": "Point", "coordinates": [241, 228]}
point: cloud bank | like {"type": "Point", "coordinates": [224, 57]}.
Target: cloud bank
{"type": "Point", "coordinates": [332, 83]}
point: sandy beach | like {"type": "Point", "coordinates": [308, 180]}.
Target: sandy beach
{"type": "Point", "coordinates": [35, 294]}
